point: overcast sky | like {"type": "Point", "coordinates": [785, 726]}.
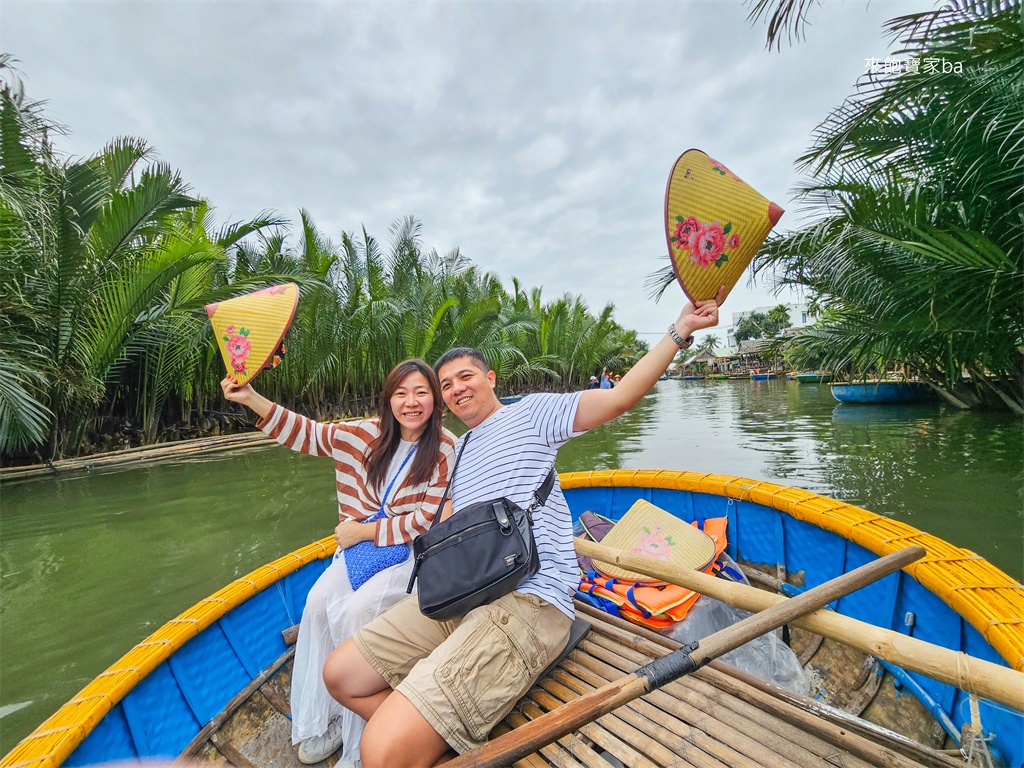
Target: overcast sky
{"type": "Point", "coordinates": [535, 136]}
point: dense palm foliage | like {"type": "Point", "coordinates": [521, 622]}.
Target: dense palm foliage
{"type": "Point", "coordinates": [763, 325]}
{"type": "Point", "coordinates": [916, 249]}
{"type": "Point", "coordinates": [106, 264]}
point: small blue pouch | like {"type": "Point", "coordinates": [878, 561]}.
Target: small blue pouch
{"type": "Point", "coordinates": [365, 559]}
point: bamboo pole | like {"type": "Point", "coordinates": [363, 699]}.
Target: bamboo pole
{"type": "Point", "coordinates": [548, 728]}
{"type": "Point", "coordinates": [984, 678]}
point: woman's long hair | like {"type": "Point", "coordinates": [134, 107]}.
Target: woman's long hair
{"type": "Point", "coordinates": [382, 450]}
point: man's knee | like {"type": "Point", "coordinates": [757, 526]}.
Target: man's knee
{"type": "Point", "coordinates": [347, 675]}
{"type": "Point", "coordinates": [398, 736]}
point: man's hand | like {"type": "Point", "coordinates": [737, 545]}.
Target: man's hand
{"type": "Point", "coordinates": [700, 315]}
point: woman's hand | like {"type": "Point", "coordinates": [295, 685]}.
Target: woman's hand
{"type": "Point", "coordinates": [245, 395]}
{"type": "Point", "coordinates": [349, 532]}
{"type": "Point", "coordinates": [235, 393]}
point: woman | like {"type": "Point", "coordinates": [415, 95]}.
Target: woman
{"type": "Point", "coordinates": [391, 473]}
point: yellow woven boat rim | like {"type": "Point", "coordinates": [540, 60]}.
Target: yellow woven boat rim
{"type": "Point", "coordinates": [985, 596]}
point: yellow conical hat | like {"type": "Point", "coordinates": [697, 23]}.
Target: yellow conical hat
{"type": "Point", "coordinates": [714, 223]}
{"type": "Point", "coordinates": [249, 329]}
{"type": "Point", "coordinates": [649, 530]}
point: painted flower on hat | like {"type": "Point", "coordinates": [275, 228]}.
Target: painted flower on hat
{"type": "Point", "coordinates": [687, 232]}
{"type": "Point", "coordinates": [717, 166]}
{"type": "Point", "coordinates": [710, 244]}
{"type": "Point", "coordinates": [239, 346]}
{"type": "Point", "coordinates": [654, 542]}
{"type": "Point", "coordinates": [705, 244]}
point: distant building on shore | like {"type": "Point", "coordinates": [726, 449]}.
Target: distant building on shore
{"type": "Point", "coordinates": [799, 317]}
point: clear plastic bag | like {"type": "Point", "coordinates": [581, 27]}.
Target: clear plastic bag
{"type": "Point", "coordinates": [766, 656]}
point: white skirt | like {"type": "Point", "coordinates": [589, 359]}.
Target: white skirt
{"type": "Point", "coordinates": [332, 614]}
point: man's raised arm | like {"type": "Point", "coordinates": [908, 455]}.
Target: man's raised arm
{"type": "Point", "coordinates": [599, 406]}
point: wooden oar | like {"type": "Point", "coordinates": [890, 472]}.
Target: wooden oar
{"type": "Point", "coordinates": [528, 738]}
{"type": "Point", "coordinates": [984, 678]}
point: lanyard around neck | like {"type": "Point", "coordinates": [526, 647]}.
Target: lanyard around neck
{"type": "Point", "coordinates": [394, 477]}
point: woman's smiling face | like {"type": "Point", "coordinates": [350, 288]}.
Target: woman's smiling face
{"type": "Point", "coordinates": [412, 405]}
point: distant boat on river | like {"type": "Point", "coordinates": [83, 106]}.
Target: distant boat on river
{"type": "Point", "coordinates": [882, 392]}
{"type": "Point", "coordinates": [814, 377]}
{"type": "Point", "coordinates": [509, 399]}
{"type": "Point", "coordinates": [762, 376]}
{"type": "Point", "coordinates": [212, 686]}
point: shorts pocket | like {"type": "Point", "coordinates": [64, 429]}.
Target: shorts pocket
{"type": "Point", "coordinates": [494, 668]}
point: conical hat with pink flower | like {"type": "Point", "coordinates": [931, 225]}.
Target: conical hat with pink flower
{"type": "Point", "coordinates": [714, 223]}
{"type": "Point", "coordinates": [649, 530]}
{"type": "Point", "coordinates": [249, 329]}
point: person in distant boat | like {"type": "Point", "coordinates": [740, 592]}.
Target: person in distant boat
{"type": "Point", "coordinates": [391, 473]}
{"type": "Point", "coordinates": [431, 687]}
{"type": "Point", "coordinates": [594, 383]}
{"type": "Point", "coordinates": [606, 380]}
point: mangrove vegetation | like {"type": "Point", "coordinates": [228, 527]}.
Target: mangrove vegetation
{"type": "Point", "coordinates": [107, 263]}
{"type": "Point", "coordinates": [915, 249]}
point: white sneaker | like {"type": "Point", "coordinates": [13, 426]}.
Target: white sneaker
{"type": "Point", "coordinates": [319, 748]}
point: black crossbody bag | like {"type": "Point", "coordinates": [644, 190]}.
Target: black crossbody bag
{"type": "Point", "coordinates": [477, 555]}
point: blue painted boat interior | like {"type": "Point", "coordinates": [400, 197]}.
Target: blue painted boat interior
{"type": "Point", "coordinates": [164, 712]}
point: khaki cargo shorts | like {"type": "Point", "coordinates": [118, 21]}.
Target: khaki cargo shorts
{"type": "Point", "coordinates": [465, 675]}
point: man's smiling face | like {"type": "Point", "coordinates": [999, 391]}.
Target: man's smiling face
{"type": "Point", "coordinates": [468, 390]}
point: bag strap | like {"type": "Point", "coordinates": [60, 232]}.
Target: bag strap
{"type": "Point", "coordinates": [539, 496]}
{"type": "Point", "coordinates": [444, 498]}
{"type": "Point", "coordinates": [542, 493]}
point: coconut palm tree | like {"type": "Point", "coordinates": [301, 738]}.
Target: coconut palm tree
{"type": "Point", "coordinates": [708, 343]}
{"type": "Point", "coordinates": [103, 257]}
{"type": "Point", "coordinates": [916, 248]}
{"type": "Point", "coordinates": [108, 263]}
{"type": "Point", "coordinates": [26, 196]}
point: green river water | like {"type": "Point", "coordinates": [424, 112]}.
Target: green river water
{"type": "Point", "coordinates": [91, 564]}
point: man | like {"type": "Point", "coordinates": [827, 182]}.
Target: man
{"type": "Point", "coordinates": [594, 384]}
{"type": "Point", "coordinates": [428, 688]}
{"type": "Point", "coordinates": [606, 380]}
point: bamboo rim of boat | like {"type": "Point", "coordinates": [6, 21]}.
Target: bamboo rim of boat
{"type": "Point", "coordinates": [984, 595]}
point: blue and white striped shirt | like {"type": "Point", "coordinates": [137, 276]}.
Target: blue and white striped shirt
{"type": "Point", "coordinates": [509, 455]}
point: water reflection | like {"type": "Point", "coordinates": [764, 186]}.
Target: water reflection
{"type": "Point", "coordinates": [92, 564]}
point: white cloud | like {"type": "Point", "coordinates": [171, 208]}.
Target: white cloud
{"type": "Point", "coordinates": [537, 137]}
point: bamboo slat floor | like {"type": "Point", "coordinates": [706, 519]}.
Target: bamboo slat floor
{"type": "Point", "coordinates": [716, 718]}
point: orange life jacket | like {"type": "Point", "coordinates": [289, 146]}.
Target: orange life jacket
{"type": "Point", "coordinates": [650, 604]}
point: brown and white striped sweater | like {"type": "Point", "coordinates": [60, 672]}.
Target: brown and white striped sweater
{"type": "Point", "coordinates": [411, 507]}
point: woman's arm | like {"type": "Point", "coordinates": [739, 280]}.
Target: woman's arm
{"type": "Point", "coordinates": [291, 429]}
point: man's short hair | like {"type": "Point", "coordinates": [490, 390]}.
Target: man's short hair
{"type": "Point", "coordinates": [456, 352]}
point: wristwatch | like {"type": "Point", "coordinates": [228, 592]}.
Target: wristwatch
{"type": "Point", "coordinates": [679, 340]}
